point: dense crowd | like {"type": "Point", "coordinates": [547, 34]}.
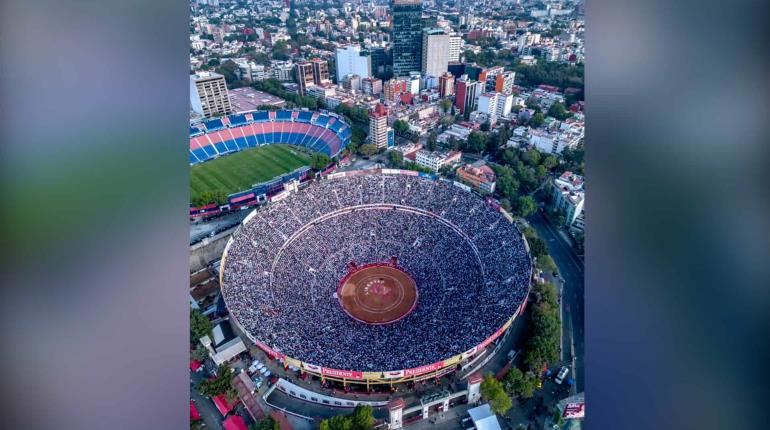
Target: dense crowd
{"type": "Point", "coordinates": [284, 266]}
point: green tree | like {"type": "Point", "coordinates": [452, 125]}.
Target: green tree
{"type": "Point", "coordinates": [550, 162]}
{"type": "Point", "coordinates": [368, 149]}
{"type": "Point", "coordinates": [476, 142]}
{"type": "Point", "coordinates": [531, 157]}
{"type": "Point", "coordinates": [432, 138]}
{"type": "Point", "coordinates": [537, 246]}
{"type": "Point", "coordinates": [445, 105]}
{"type": "Point", "coordinates": [218, 385]}
{"type": "Point", "coordinates": [494, 393]}
{"type": "Point", "coordinates": [525, 206]}
{"type": "Point", "coordinates": [266, 424]}
{"type": "Point", "coordinates": [558, 111]}
{"type": "Point", "coordinates": [400, 127]}
{"type": "Point", "coordinates": [395, 158]}
{"type": "Point", "coordinates": [546, 264]}
{"type": "Point", "coordinates": [200, 325]}
{"type": "Point", "coordinates": [362, 417]}
{"type": "Point", "coordinates": [537, 120]}
{"type": "Point", "coordinates": [319, 160]}
{"type": "Point", "coordinates": [518, 384]}
{"type": "Point", "coordinates": [485, 126]}
{"type": "Point", "coordinates": [199, 353]}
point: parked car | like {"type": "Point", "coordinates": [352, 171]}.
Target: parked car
{"type": "Point", "coordinates": [562, 374]}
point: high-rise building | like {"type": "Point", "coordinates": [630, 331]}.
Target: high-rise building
{"type": "Point", "coordinates": [407, 36]}
{"type": "Point", "coordinates": [351, 60]}
{"type": "Point", "coordinates": [504, 82]}
{"type": "Point", "coordinates": [488, 104]}
{"type": "Point", "coordinates": [455, 47]}
{"type": "Point", "coordinates": [378, 126]}
{"type": "Point", "coordinates": [320, 71]}
{"type": "Point", "coordinates": [435, 52]}
{"type": "Point", "coordinates": [371, 86]}
{"type": "Point", "coordinates": [208, 94]}
{"type": "Point", "coordinates": [467, 92]}
{"type": "Point", "coordinates": [446, 85]}
{"type": "Point", "coordinates": [304, 76]}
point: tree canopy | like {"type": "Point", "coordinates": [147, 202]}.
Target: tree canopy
{"type": "Point", "coordinates": [362, 418]}
{"type": "Point", "coordinates": [494, 392]}
{"type": "Point", "coordinates": [200, 325]}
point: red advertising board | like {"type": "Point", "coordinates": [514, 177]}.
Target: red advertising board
{"type": "Point", "coordinates": [424, 369]}
{"type": "Point", "coordinates": [346, 374]}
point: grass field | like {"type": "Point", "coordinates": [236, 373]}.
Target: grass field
{"type": "Point", "coordinates": [239, 171]}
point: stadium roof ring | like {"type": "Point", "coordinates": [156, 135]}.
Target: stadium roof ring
{"type": "Point", "coordinates": [284, 273]}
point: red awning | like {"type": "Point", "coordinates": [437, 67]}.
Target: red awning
{"type": "Point", "coordinates": [221, 403]}
{"type": "Point", "coordinates": [195, 365]}
{"type": "Point", "coordinates": [194, 415]}
{"type": "Point", "coordinates": [235, 422]}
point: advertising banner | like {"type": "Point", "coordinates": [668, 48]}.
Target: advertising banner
{"type": "Point", "coordinates": [311, 367]}
{"type": "Point", "coordinates": [424, 369]}
{"type": "Point", "coordinates": [574, 410]}
{"type": "Point", "coordinates": [346, 374]}
{"type": "Point", "coordinates": [393, 374]}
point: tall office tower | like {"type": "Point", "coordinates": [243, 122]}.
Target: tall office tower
{"type": "Point", "coordinates": [208, 94]}
{"type": "Point", "coordinates": [455, 47]}
{"type": "Point", "coordinates": [320, 71]}
{"type": "Point", "coordinates": [352, 60]}
{"type": "Point", "coordinates": [378, 126]}
{"type": "Point", "coordinates": [446, 84]}
{"type": "Point", "coordinates": [407, 36]}
{"type": "Point", "coordinates": [467, 92]}
{"type": "Point", "coordinates": [303, 72]}
{"type": "Point", "coordinates": [435, 52]}
{"type": "Point", "coordinates": [504, 82]}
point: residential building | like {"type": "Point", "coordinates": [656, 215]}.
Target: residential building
{"type": "Point", "coordinates": [436, 160]}
{"type": "Point", "coordinates": [208, 94]}
{"type": "Point", "coordinates": [488, 104]}
{"type": "Point", "coordinates": [407, 36]}
{"type": "Point", "coordinates": [283, 72]}
{"type": "Point", "coordinates": [478, 175]}
{"type": "Point", "coordinates": [467, 92]}
{"type": "Point", "coordinates": [455, 47]}
{"type": "Point", "coordinates": [351, 60]}
{"type": "Point", "coordinates": [393, 88]}
{"type": "Point", "coordinates": [304, 76]}
{"type": "Point", "coordinates": [569, 196]}
{"type": "Point", "coordinates": [414, 83]}
{"type": "Point", "coordinates": [435, 52]}
{"type": "Point", "coordinates": [379, 133]}
{"type": "Point", "coordinates": [446, 85]}
{"type": "Point", "coordinates": [320, 71]}
{"type": "Point", "coordinates": [371, 86]}
{"type": "Point", "coordinates": [504, 82]}
{"type": "Point", "coordinates": [351, 82]}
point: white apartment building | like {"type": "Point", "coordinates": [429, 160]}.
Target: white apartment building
{"type": "Point", "coordinates": [436, 160]}
{"type": "Point", "coordinates": [435, 52]}
{"type": "Point", "coordinates": [208, 94]}
{"type": "Point", "coordinates": [351, 60]}
{"type": "Point", "coordinates": [455, 47]}
{"type": "Point", "coordinates": [569, 196]}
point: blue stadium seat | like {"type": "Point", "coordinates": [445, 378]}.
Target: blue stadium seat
{"type": "Point", "coordinates": [221, 148]}
{"type": "Point", "coordinates": [201, 154]}
{"type": "Point", "coordinates": [304, 117]}
{"type": "Point", "coordinates": [214, 124]}
{"type": "Point", "coordinates": [261, 117]}
{"type": "Point", "coordinates": [236, 120]}
{"type": "Point", "coordinates": [322, 120]}
{"type": "Point", "coordinates": [283, 115]}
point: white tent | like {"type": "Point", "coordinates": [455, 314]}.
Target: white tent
{"type": "Point", "coordinates": [483, 418]}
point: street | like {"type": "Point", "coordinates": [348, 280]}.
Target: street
{"type": "Point", "coordinates": [571, 271]}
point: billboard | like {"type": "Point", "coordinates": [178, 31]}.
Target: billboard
{"type": "Point", "coordinates": [574, 411]}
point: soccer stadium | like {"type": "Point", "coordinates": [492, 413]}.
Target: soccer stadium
{"type": "Point", "coordinates": [376, 276]}
{"type": "Point", "coordinates": [251, 176]}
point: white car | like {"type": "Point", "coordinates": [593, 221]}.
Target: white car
{"type": "Point", "coordinates": [562, 374]}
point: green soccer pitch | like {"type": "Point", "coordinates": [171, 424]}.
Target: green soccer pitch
{"type": "Point", "coordinates": [241, 170]}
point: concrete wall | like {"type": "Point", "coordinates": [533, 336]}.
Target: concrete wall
{"type": "Point", "coordinates": [209, 249]}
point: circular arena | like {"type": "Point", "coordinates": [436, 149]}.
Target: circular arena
{"type": "Point", "coordinates": [322, 132]}
{"type": "Point", "coordinates": [377, 275]}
